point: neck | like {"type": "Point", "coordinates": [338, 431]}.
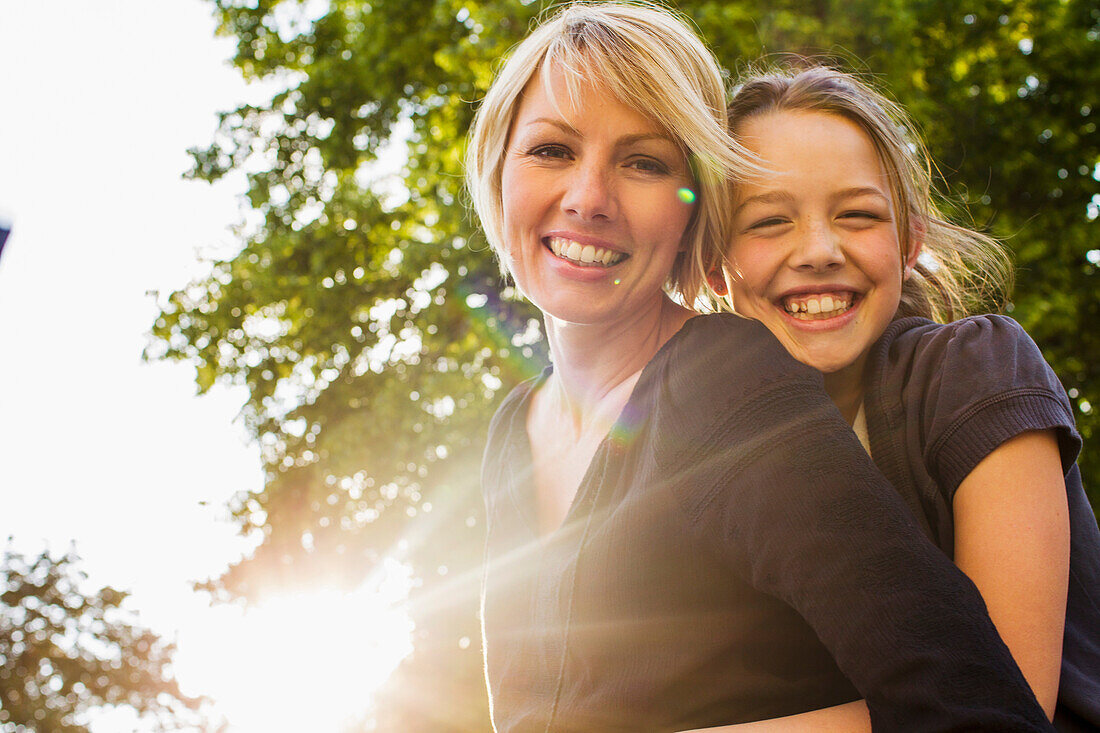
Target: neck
{"type": "Point", "coordinates": [596, 366]}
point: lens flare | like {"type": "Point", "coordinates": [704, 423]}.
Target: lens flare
{"type": "Point", "coordinates": [328, 647]}
{"type": "Point", "coordinates": [686, 195]}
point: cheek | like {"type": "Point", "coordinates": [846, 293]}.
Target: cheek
{"type": "Point", "coordinates": [679, 232]}
{"type": "Point", "coordinates": [518, 193]}
{"type": "Point", "coordinates": [753, 269]}
{"type": "Point", "coordinates": [510, 200]}
{"type": "Point", "coordinates": [888, 276]}
{"type": "Point", "coordinates": [747, 296]}
{"type": "Point", "coordinates": [512, 224]}
{"type": "Point", "coordinates": [665, 218]}
{"type": "Point", "coordinates": [881, 256]}
{"type": "Point", "coordinates": [749, 303]}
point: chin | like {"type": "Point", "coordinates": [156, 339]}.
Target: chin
{"type": "Point", "coordinates": [826, 364]}
{"type": "Point", "coordinates": [572, 311]}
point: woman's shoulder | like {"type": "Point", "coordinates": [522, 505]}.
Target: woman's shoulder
{"type": "Point", "coordinates": [726, 349]}
{"type": "Point", "coordinates": [506, 429]}
{"type": "Point", "coordinates": [709, 326]}
{"type": "Point", "coordinates": [516, 400]}
{"type": "Point", "coordinates": [719, 359]}
{"type": "Point", "coordinates": [727, 381]}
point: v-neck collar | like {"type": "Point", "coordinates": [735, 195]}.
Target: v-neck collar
{"type": "Point", "coordinates": [518, 457]}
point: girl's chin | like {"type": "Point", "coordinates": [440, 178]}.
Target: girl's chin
{"type": "Point", "coordinates": [827, 362]}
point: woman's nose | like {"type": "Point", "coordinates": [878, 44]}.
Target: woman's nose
{"type": "Point", "coordinates": [590, 193]}
{"type": "Point", "coordinates": [818, 249]}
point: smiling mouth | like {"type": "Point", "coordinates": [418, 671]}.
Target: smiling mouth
{"type": "Point", "coordinates": [818, 306]}
{"type": "Point", "coordinates": [585, 255]}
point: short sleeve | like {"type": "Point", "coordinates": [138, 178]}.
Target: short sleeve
{"type": "Point", "coordinates": [985, 382]}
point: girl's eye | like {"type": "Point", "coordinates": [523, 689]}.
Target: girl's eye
{"type": "Point", "coordinates": [861, 216]}
{"type": "Point", "coordinates": [771, 221]}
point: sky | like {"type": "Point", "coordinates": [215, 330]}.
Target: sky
{"type": "Point", "coordinates": [99, 102]}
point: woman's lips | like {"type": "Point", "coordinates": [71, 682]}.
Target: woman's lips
{"type": "Point", "coordinates": [585, 255]}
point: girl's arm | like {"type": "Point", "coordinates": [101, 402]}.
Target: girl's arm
{"type": "Point", "coordinates": [770, 478]}
{"type": "Point", "coordinates": [1012, 539]}
{"type": "Point", "coordinates": [848, 718]}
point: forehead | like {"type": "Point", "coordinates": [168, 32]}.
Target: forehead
{"type": "Point", "coordinates": [559, 96]}
{"type": "Point", "coordinates": [811, 148]}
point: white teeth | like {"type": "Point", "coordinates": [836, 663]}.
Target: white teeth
{"type": "Point", "coordinates": [811, 307]}
{"type": "Point", "coordinates": [586, 254]}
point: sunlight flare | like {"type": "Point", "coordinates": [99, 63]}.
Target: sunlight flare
{"type": "Point", "coordinates": [301, 661]}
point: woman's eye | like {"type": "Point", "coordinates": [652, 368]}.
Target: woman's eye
{"type": "Point", "coordinates": [648, 165]}
{"type": "Point", "coordinates": [550, 151]}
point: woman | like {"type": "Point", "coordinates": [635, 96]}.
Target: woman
{"type": "Point", "coordinates": [682, 534]}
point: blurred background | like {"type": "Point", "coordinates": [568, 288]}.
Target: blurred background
{"type": "Point", "coordinates": [250, 337]}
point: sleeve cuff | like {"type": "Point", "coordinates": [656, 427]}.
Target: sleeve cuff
{"type": "Point", "coordinates": [1001, 418]}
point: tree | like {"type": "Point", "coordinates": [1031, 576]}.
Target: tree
{"type": "Point", "coordinates": [65, 651]}
{"type": "Point", "coordinates": [373, 331]}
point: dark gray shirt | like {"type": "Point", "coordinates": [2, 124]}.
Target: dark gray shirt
{"type": "Point", "coordinates": [732, 554]}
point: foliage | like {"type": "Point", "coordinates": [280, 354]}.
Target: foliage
{"type": "Point", "coordinates": [370, 325]}
{"type": "Point", "coordinates": [65, 651]}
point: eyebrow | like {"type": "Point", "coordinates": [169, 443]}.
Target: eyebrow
{"type": "Point", "coordinates": [770, 197]}
{"type": "Point", "coordinates": [621, 142]}
{"type": "Point", "coordinates": [782, 197]}
{"type": "Point", "coordinates": [560, 124]}
{"type": "Point", "coordinates": [860, 191]}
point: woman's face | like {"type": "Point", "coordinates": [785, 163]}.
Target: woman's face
{"type": "Point", "coordinates": [593, 216]}
{"type": "Point", "coordinates": [815, 253]}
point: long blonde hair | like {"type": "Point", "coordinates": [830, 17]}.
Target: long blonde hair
{"type": "Point", "coordinates": [959, 271]}
{"type": "Point", "coordinates": [650, 60]}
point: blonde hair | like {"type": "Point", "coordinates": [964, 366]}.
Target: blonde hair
{"type": "Point", "coordinates": [959, 271]}
{"type": "Point", "coordinates": [650, 60]}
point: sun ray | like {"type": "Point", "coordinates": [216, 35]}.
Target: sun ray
{"type": "Point", "coordinates": [301, 661]}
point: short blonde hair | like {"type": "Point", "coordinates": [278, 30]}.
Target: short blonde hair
{"type": "Point", "coordinates": [960, 271]}
{"type": "Point", "coordinates": [650, 60]}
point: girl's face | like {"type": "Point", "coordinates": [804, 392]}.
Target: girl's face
{"type": "Point", "coordinates": [815, 254]}
{"type": "Point", "coordinates": [593, 218]}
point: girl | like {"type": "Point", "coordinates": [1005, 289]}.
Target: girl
{"type": "Point", "coordinates": [841, 252]}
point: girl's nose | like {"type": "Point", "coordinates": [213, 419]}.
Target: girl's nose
{"type": "Point", "coordinates": [818, 249]}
